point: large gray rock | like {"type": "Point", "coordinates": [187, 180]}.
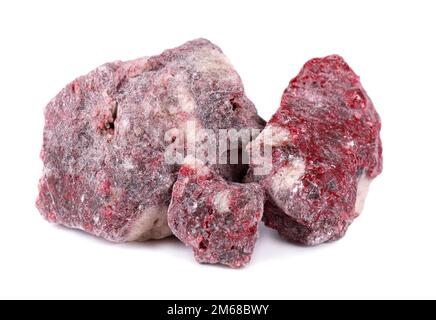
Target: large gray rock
{"type": "Point", "coordinates": [107, 136]}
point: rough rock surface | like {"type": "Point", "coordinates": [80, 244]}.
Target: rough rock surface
{"type": "Point", "coordinates": [106, 133]}
{"type": "Point", "coordinates": [325, 150]}
{"type": "Point", "coordinates": [218, 219]}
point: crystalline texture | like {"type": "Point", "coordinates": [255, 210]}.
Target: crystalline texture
{"type": "Point", "coordinates": [218, 219]}
{"type": "Point", "coordinates": [325, 150]}
{"type": "Point", "coordinates": [104, 139]}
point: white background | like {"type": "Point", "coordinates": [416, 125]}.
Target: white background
{"type": "Point", "coordinates": [389, 252]}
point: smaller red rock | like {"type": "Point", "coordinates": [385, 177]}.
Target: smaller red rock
{"type": "Point", "coordinates": [219, 219]}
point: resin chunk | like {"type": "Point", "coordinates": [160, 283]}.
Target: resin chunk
{"type": "Point", "coordinates": [218, 219]}
{"type": "Point", "coordinates": [325, 150]}
{"type": "Point", "coordinates": [107, 133]}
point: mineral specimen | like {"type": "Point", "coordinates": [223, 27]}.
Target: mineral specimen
{"type": "Point", "coordinates": [218, 219]}
{"type": "Point", "coordinates": [107, 133]}
{"type": "Point", "coordinates": [325, 150]}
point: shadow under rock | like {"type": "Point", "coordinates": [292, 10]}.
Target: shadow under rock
{"type": "Point", "coordinates": [271, 246]}
{"type": "Point", "coordinates": [169, 241]}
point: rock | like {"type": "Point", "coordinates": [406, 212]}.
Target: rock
{"type": "Point", "coordinates": [108, 134]}
{"type": "Point", "coordinates": [325, 150]}
{"type": "Point", "coordinates": [218, 219]}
